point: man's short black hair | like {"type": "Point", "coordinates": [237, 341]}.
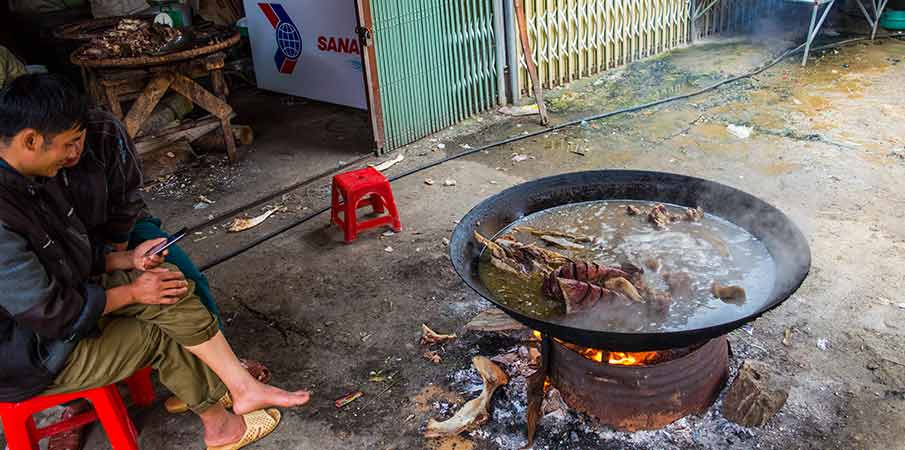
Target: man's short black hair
{"type": "Point", "coordinates": [49, 104]}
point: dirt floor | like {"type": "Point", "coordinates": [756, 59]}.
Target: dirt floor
{"type": "Point", "coordinates": [827, 148]}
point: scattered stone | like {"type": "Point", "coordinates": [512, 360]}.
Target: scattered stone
{"type": "Point", "coordinates": [823, 344]}
{"type": "Point", "coordinates": [739, 131]}
{"type": "Point", "coordinates": [441, 146]}
{"type": "Point", "coordinates": [171, 155]}
{"type": "Point", "coordinates": [901, 306]}
{"type": "Point", "coordinates": [445, 241]}
{"type": "Point", "coordinates": [519, 157]}
{"type": "Point", "coordinates": [200, 205]}
{"type": "Point", "coordinates": [787, 337]}
{"type": "Point", "coordinates": [388, 249]}
{"type": "Point", "coordinates": [553, 402]}
{"type": "Point", "coordinates": [449, 182]}
{"type": "Point", "coordinates": [388, 233]}
{"type": "Point", "coordinates": [429, 181]}
{"type": "Point", "coordinates": [755, 396]}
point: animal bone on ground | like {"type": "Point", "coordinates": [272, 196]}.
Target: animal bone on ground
{"type": "Point", "coordinates": [429, 337]}
{"type": "Point", "coordinates": [474, 413]}
{"type": "Point", "coordinates": [244, 223]}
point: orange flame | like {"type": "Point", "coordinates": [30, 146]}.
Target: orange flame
{"type": "Point", "coordinates": [614, 358]}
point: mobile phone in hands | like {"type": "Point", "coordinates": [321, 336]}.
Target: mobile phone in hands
{"type": "Point", "coordinates": [176, 237]}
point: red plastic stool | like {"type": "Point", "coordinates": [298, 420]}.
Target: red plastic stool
{"type": "Point", "coordinates": [359, 188]}
{"type": "Point", "coordinates": [22, 434]}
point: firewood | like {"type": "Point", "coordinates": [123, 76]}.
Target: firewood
{"type": "Point", "coordinates": [755, 396]}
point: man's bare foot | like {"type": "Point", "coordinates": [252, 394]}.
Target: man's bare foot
{"type": "Point", "coordinates": [260, 395]}
{"type": "Point", "coordinates": [223, 429]}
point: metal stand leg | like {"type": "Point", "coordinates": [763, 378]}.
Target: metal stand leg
{"type": "Point", "coordinates": [536, 387]}
{"type": "Point", "coordinates": [811, 33]}
{"type": "Point", "coordinates": [873, 20]}
{"type": "Point", "coordinates": [815, 27]}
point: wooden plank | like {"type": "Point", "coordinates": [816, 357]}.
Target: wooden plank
{"type": "Point", "coordinates": [222, 91]}
{"type": "Point", "coordinates": [201, 96]}
{"type": "Point", "coordinates": [145, 103]}
{"type": "Point", "coordinates": [189, 131]}
{"type": "Point", "coordinates": [113, 102]}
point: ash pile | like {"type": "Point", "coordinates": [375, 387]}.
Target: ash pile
{"type": "Point", "coordinates": [515, 352]}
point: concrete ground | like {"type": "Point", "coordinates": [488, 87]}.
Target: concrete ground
{"type": "Point", "coordinates": [827, 148]}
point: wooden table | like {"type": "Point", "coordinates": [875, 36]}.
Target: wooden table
{"type": "Point", "coordinates": [146, 79]}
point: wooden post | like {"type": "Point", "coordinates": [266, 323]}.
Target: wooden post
{"type": "Point", "coordinates": [529, 60]}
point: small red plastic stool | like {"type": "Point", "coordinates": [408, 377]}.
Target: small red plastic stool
{"type": "Point", "coordinates": [357, 189]}
{"type": "Point", "coordinates": [22, 434]}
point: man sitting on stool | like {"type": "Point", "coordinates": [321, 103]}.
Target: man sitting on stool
{"type": "Point", "coordinates": [73, 317]}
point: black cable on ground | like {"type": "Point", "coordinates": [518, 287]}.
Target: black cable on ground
{"type": "Point", "coordinates": [521, 137]}
{"type": "Point", "coordinates": [260, 201]}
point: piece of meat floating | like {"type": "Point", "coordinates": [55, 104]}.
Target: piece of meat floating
{"type": "Point", "coordinates": [624, 287]}
{"type": "Point", "coordinates": [679, 284]}
{"type": "Point", "coordinates": [532, 255]}
{"type": "Point", "coordinates": [562, 242]}
{"type": "Point", "coordinates": [429, 337]}
{"type": "Point", "coordinates": [652, 264]}
{"type": "Point", "coordinates": [475, 412]}
{"type": "Point", "coordinates": [518, 258]}
{"type": "Point", "coordinates": [658, 301]}
{"type": "Point", "coordinates": [554, 233]}
{"type": "Point", "coordinates": [635, 273]}
{"type": "Point", "coordinates": [728, 294]}
{"type": "Point", "coordinates": [581, 271]}
{"type": "Point", "coordinates": [632, 210]}
{"type": "Point", "coordinates": [694, 214]}
{"type": "Point", "coordinates": [659, 217]}
{"type": "Point", "coordinates": [581, 295]}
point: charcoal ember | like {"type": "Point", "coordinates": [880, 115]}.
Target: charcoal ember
{"type": "Point", "coordinates": [756, 395]}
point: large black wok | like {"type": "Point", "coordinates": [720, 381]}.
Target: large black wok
{"type": "Point", "coordinates": [785, 242]}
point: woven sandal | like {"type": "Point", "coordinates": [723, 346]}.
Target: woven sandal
{"type": "Point", "coordinates": [258, 424]}
{"type": "Point", "coordinates": [174, 405]}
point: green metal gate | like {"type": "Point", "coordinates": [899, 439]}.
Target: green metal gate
{"type": "Point", "coordinates": [435, 65]}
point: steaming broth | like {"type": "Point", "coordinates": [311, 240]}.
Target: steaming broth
{"type": "Point", "coordinates": [711, 249]}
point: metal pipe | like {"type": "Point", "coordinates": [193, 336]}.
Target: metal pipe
{"type": "Point", "coordinates": [811, 34]}
{"type": "Point", "coordinates": [511, 41]}
{"type": "Point", "coordinates": [499, 40]}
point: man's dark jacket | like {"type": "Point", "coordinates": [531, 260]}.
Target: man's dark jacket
{"type": "Point", "coordinates": [47, 303]}
{"type": "Point", "coordinates": [104, 187]}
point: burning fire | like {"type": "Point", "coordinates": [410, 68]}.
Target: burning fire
{"type": "Point", "coordinates": [617, 358]}
{"type": "Point", "coordinates": [614, 358]}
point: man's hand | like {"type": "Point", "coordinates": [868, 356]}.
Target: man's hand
{"type": "Point", "coordinates": [142, 262]}
{"type": "Point", "coordinates": [159, 287]}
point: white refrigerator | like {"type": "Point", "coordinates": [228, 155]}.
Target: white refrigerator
{"type": "Point", "coordinates": [307, 48]}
